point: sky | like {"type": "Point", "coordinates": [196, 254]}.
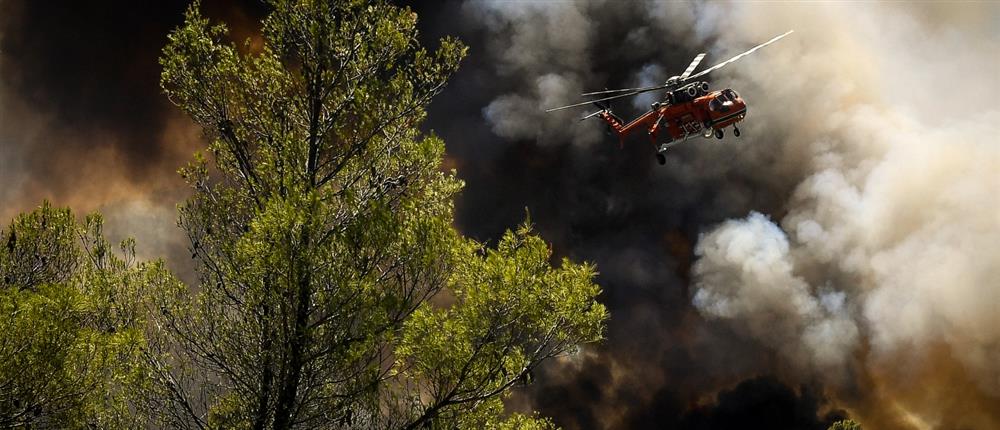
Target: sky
{"type": "Point", "coordinates": [840, 258]}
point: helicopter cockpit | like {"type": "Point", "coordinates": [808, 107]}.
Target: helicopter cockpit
{"type": "Point", "coordinates": [724, 101]}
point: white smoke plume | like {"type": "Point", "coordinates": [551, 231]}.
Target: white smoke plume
{"type": "Point", "coordinates": [746, 273]}
{"type": "Point", "coordinates": [891, 247]}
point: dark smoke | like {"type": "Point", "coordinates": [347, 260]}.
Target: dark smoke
{"type": "Point", "coordinates": [83, 123]}
{"type": "Point", "coordinates": [615, 207]}
{"type": "Point", "coordinates": [842, 122]}
{"type": "Point", "coordinates": [758, 403]}
{"type": "Point", "coordinates": [82, 120]}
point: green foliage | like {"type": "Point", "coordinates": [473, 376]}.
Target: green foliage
{"type": "Point", "coordinates": [71, 323]}
{"type": "Point", "coordinates": [334, 291]}
{"type": "Point", "coordinates": [511, 311]}
{"type": "Point", "coordinates": [845, 425]}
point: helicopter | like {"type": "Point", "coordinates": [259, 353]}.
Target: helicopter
{"type": "Point", "coordinates": [689, 107]}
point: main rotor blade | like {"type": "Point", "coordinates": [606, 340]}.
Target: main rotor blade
{"type": "Point", "coordinates": [694, 63]}
{"type": "Point", "coordinates": [718, 66]}
{"type": "Point", "coordinates": [628, 92]}
{"type": "Point", "coordinates": [690, 68]}
{"type": "Point", "coordinates": [595, 93]}
{"type": "Point", "coordinates": [640, 89]}
{"type": "Point", "coordinates": [632, 93]}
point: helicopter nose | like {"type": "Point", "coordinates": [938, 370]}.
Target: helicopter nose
{"type": "Point", "coordinates": [737, 102]}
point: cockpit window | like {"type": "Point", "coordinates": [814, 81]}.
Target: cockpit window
{"type": "Point", "coordinates": [715, 104]}
{"type": "Point", "coordinates": [730, 94]}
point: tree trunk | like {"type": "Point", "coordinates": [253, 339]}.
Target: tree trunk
{"type": "Point", "coordinates": [290, 384]}
{"type": "Point", "coordinates": [267, 376]}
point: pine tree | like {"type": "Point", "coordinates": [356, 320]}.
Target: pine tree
{"type": "Point", "coordinates": [334, 291]}
{"type": "Point", "coordinates": [72, 322]}
{"type": "Point", "coordinates": [845, 425]}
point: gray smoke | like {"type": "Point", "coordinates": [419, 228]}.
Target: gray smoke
{"type": "Point", "coordinates": [745, 272]}
{"type": "Point", "coordinates": [895, 233]}
{"type": "Point", "coordinates": [873, 126]}
{"type": "Point", "coordinates": [83, 122]}
{"type": "Point", "coordinates": [557, 69]}
{"type": "Point", "coordinates": [845, 248]}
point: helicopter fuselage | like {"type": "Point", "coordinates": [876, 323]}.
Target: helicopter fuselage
{"type": "Point", "coordinates": [678, 118]}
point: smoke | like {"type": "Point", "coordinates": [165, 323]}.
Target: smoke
{"type": "Point", "coordinates": [595, 202]}
{"type": "Point", "coordinates": [850, 240]}
{"type": "Point", "coordinates": [563, 28]}
{"type": "Point", "coordinates": [893, 234]}
{"type": "Point", "coordinates": [745, 272]}
{"type": "Point", "coordinates": [83, 122]}
{"type": "Point", "coordinates": [840, 258]}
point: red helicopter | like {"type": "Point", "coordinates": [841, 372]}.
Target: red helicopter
{"type": "Point", "coordinates": [689, 108]}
